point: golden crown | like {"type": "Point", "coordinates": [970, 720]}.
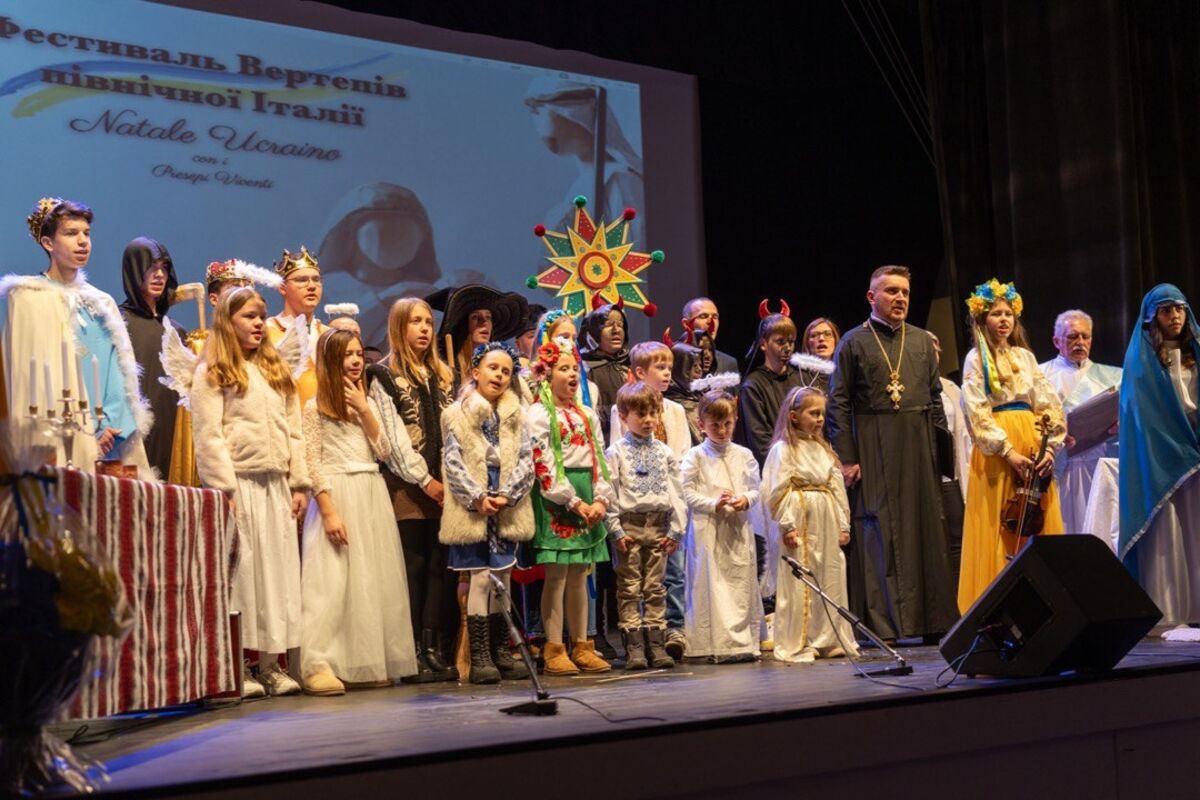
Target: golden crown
{"type": "Point", "coordinates": [44, 208]}
{"type": "Point", "coordinates": [289, 263]}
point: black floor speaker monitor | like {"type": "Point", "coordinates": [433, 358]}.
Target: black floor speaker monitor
{"type": "Point", "coordinates": [1065, 603]}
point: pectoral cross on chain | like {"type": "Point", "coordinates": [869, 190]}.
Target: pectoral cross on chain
{"type": "Point", "coordinates": [895, 389]}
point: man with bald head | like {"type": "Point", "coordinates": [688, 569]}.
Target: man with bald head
{"type": "Point", "coordinates": [700, 314]}
{"type": "Point", "coordinates": [1077, 379]}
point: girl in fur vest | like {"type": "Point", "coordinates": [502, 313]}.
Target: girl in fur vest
{"type": "Point", "coordinates": [246, 428]}
{"type": "Point", "coordinates": [488, 466]}
{"type": "Point", "coordinates": [356, 619]}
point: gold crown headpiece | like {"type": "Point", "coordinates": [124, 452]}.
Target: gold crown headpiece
{"type": "Point", "coordinates": [289, 263]}
{"type": "Point", "coordinates": [44, 208]}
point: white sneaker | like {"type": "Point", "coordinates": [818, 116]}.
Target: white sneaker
{"type": "Point", "coordinates": [251, 688]}
{"type": "Point", "coordinates": [276, 681]}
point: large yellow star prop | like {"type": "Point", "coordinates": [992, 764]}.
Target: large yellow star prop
{"type": "Point", "coordinates": [593, 264]}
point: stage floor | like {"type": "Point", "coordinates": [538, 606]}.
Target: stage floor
{"type": "Point", "coordinates": [242, 749]}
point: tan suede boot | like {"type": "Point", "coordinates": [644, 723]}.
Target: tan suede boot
{"type": "Point", "coordinates": [323, 683]}
{"type": "Point", "coordinates": [584, 655]}
{"type": "Point", "coordinates": [557, 663]}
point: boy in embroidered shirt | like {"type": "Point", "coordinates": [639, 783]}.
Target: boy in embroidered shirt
{"type": "Point", "coordinates": [645, 525]}
{"type": "Point", "coordinates": [651, 363]}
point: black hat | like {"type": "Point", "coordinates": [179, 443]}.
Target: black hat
{"type": "Point", "coordinates": [530, 322]}
{"type": "Point", "coordinates": [457, 302]}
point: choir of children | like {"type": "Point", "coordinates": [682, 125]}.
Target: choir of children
{"type": "Point", "coordinates": [511, 471]}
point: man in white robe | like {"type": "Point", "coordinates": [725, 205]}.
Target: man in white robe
{"type": "Point", "coordinates": [1077, 378]}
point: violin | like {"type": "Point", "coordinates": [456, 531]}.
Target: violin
{"type": "Point", "coordinates": [1024, 513]}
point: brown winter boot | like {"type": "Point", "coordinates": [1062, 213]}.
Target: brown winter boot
{"type": "Point", "coordinates": [557, 663]}
{"type": "Point", "coordinates": [584, 655]}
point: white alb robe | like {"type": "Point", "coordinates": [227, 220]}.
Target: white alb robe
{"type": "Point", "coordinates": [724, 610]}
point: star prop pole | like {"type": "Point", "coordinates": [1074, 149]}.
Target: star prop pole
{"type": "Point", "coordinates": [590, 261]}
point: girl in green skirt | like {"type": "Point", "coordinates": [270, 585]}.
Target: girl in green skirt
{"type": "Point", "coordinates": [570, 497]}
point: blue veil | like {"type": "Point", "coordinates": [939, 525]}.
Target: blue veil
{"type": "Point", "coordinates": [1160, 448]}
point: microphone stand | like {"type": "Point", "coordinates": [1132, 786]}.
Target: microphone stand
{"type": "Point", "coordinates": [805, 575]}
{"type": "Point", "coordinates": [541, 705]}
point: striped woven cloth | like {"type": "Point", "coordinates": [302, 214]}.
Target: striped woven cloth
{"type": "Point", "coordinates": [172, 547]}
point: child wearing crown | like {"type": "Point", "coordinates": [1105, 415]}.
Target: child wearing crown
{"type": "Point", "coordinates": [1009, 406]}
{"type": "Point", "coordinates": [59, 323]}
{"type": "Point", "coordinates": [301, 290]}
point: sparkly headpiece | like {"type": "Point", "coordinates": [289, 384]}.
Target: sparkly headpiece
{"type": "Point", "coordinates": [341, 310]}
{"type": "Point", "coordinates": [489, 347]}
{"type": "Point", "coordinates": [590, 260]}
{"type": "Point", "coordinates": [44, 208]}
{"type": "Point", "coordinates": [237, 270]}
{"type": "Point", "coordinates": [986, 294]}
{"type": "Point", "coordinates": [289, 263]}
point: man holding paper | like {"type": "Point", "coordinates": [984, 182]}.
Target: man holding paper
{"type": "Point", "coordinates": [75, 332]}
{"type": "Point", "coordinates": [1078, 380]}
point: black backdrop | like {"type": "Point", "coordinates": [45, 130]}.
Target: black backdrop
{"type": "Point", "coordinates": [1068, 134]}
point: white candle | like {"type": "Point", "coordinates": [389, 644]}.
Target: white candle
{"type": "Point", "coordinates": [97, 398]}
{"type": "Point", "coordinates": [32, 382]}
{"type": "Point", "coordinates": [66, 365]}
{"type": "Point", "coordinates": [49, 389]}
{"type": "Point", "coordinates": [82, 398]}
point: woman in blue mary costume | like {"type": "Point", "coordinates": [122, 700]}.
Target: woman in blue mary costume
{"type": "Point", "coordinates": [1160, 455]}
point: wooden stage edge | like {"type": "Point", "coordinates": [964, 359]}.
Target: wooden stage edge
{"type": "Point", "coordinates": [763, 730]}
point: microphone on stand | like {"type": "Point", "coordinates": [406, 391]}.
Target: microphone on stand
{"type": "Point", "coordinates": [807, 577]}
{"type": "Point", "coordinates": [794, 564]}
{"type": "Point", "coordinates": [541, 705]}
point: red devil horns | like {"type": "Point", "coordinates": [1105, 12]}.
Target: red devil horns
{"type": "Point", "coordinates": [689, 328]}
{"type": "Point", "coordinates": [667, 340]}
{"type": "Point", "coordinates": [598, 302]}
{"type": "Point", "coordinates": [764, 312]}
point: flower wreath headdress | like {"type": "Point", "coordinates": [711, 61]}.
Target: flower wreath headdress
{"type": "Point", "coordinates": [979, 303]}
{"type": "Point", "coordinates": [490, 347]}
{"type": "Point", "coordinates": [547, 356]}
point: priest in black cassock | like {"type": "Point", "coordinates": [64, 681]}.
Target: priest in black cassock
{"type": "Point", "coordinates": [149, 278]}
{"type": "Point", "coordinates": [884, 408]}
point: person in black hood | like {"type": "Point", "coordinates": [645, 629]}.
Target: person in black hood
{"type": "Point", "coordinates": [149, 278]}
{"type": "Point", "coordinates": [686, 367]}
{"type": "Point", "coordinates": [603, 341]}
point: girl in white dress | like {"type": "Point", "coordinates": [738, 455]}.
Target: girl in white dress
{"type": "Point", "coordinates": [246, 428]}
{"type": "Point", "coordinates": [720, 485]}
{"type": "Point", "coordinates": [805, 494]}
{"type": "Point", "coordinates": [357, 628]}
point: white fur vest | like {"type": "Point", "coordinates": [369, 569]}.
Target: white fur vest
{"type": "Point", "coordinates": [465, 419]}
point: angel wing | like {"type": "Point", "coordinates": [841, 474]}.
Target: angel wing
{"type": "Point", "coordinates": [179, 364]}
{"type": "Point", "coordinates": [295, 348]}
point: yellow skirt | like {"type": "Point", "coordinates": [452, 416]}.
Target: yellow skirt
{"type": "Point", "coordinates": [985, 547]}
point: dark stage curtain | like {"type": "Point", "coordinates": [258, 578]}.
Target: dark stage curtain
{"type": "Point", "coordinates": [1067, 137]}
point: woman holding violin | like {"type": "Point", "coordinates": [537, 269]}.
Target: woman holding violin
{"type": "Point", "coordinates": [1017, 424]}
